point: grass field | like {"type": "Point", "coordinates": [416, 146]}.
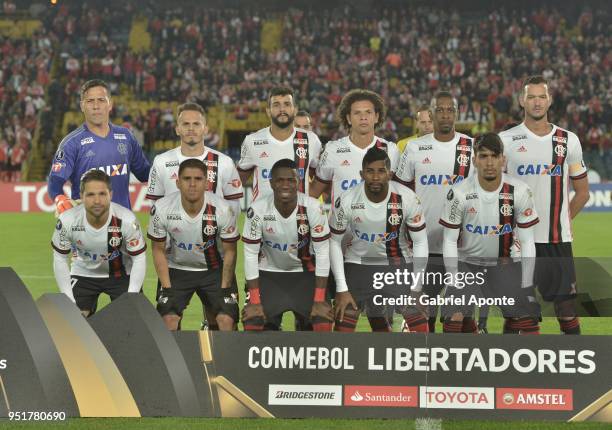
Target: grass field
{"type": "Point", "coordinates": [26, 249]}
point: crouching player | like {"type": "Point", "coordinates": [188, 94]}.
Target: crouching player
{"type": "Point", "coordinates": [194, 219]}
{"type": "Point", "coordinates": [280, 235]}
{"type": "Point", "coordinates": [490, 210]}
{"type": "Point", "coordinates": [380, 216]}
{"type": "Point", "coordinates": [106, 243]}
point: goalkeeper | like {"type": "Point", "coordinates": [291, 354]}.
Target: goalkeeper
{"type": "Point", "coordinates": [96, 144]}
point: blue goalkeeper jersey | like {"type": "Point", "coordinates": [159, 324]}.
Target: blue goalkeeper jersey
{"type": "Point", "coordinates": [117, 154]}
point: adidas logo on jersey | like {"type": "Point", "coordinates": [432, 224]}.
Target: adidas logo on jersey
{"type": "Point", "coordinates": [472, 211]}
{"type": "Point", "coordinates": [263, 155]}
{"type": "Point", "coordinates": [270, 230]}
{"type": "Point", "coordinates": [345, 163]}
{"type": "Point", "coordinates": [174, 176]}
{"type": "Point", "coordinates": [521, 149]}
{"type": "Point", "coordinates": [357, 219]}
{"type": "Point", "coordinates": [427, 161]}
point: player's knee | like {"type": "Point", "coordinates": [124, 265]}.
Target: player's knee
{"type": "Point", "coordinates": [565, 310]}
{"type": "Point", "coordinates": [172, 321]}
{"type": "Point", "coordinates": [380, 324]}
{"type": "Point", "coordinates": [225, 322]}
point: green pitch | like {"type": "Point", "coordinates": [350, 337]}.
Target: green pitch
{"type": "Point", "coordinates": [26, 238]}
{"type": "Point", "coordinates": [26, 248]}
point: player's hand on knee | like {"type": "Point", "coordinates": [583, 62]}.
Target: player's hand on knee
{"type": "Point", "coordinates": [166, 303]}
{"type": "Point", "coordinates": [322, 310]}
{"type": "Point", "coordinates": [253, 317]}
{"type": "Point", "coordinates": [343, 301]}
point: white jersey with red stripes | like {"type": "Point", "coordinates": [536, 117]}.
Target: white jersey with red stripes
{"type": "Point", "coordinates": [99, 253]}
{"type": "Point", "coordinates": [378, 231]}
{"type": "Point", "coordinates": [488, 219]}
{"type": "Point", "coordinates": [340, 163]}
{"type": "Point", "coordinates": [193, 240]}
{"type": "Point", "coordinates": [222, 175]}
{"type": "Point", "coordinates": [260, 150]}
{"type": "Point", "coordinates": [546, 163]}
{"type": "Point", "coordinates": [286, 243]}
{"type": "Point", "coordinates": [432, 167]}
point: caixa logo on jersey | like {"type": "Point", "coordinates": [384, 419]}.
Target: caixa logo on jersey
{"type": "Point", "coordinates": [375, 237]}
{"type": "Point", "coordinates": [284, 247]}
{"type": "Point", "coordinates": [115, 169]}
{"type": "Point", "coordinates": [347, 184]}
{"type": "Point", "coordinates": [267, 173]}
{"type": "Point", "coordinates": [99, 257]}
{"type": "Point", "coordinates": [186, 246]}
{"type": "Point", "coordinates": [489, 230]}
{"type": "Point", "coordinates": [440, 179]}
{"type": "Point", "coordinates": [539, 169]}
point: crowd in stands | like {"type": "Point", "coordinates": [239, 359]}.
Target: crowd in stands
{"type": "Point", "coordinates": [215, 57]}
{"type": "Point", "coordinates": [24, 76]}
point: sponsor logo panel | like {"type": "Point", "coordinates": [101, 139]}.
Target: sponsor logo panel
{"type": "Point", "coordinates": [542, 399]}
{"type": "Point", "coordinates": [457, 397]}
{"type": "Point", "coordinates": [305, 395]}
{"type": "Point", "coordinates": [380, 395]}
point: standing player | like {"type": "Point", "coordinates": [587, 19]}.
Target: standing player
{"type": "Point", "coordinates": [281, 232]}
{"type": "Point", "coordinates": [361, 112]}
{"type": "Point", "coordinates": [302, 120]}
{"type": "Point", "coordinates": [430, 165]}
{"type": "Point", "coordinates": [260, 150]}
{"type": "Point", "coordinates": [378, 215]}
{"type": "Point", "coordinates": [106, 243]}
{"type": "Point", "coordinates": [546, 156]}
{"type": "Point", "coordinates": [193, 220]}
{"type": "Point", "coordinates": [491, 209]}
{"type": "Point", "coordinates": [222, 176]}
{"type": "Point", "coordinates": [424, 125]}
{"type": "Point", "coordinates": [97, 144]}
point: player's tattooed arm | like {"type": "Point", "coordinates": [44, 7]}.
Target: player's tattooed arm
{"type": "Point", "coordinates": [229, 263]}
{"type": "Point", "coordinates": [158, 249]}
{"type": "Point", "coordinates": [581, 195]}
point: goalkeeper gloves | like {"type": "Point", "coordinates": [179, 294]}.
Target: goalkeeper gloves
{"type": "Point", "coordinates": [63, 203]}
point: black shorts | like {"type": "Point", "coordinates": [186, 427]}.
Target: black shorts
{"type": "Point", "coordinates": [207, 285]}
{"type": "Point", "coordinates": [281, 292]}
{"type": "Point", "coordinates": [360, 279]}
{"type": "Point", "coordinates": [501, 283]}
{"type": "Point", "coordinates": [555, 273]}
{"type": "Point", "coordinates": [86, 290]}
